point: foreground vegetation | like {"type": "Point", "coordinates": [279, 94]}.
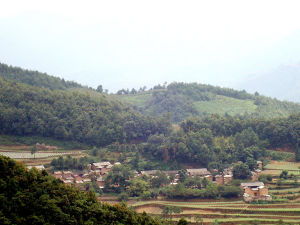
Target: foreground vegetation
{"type": "Point", "coordinates": [33, 197]}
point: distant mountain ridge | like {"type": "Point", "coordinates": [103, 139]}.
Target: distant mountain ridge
{"type": "Point", "coordinates": [179, 100]}
{"type": "Point", "coordinates": [282, 83]}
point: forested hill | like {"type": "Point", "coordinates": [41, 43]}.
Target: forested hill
{"type": "Point", "coordinates": [183, 100]}
{"type": "Point", "coordinates": [69, 115]}
{"type": "Point", "coordinates": [35, 78]}
{"type": "Point", "coordinates": [34, 197]}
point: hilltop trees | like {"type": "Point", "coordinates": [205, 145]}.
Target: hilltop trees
{"type": "Point", "coordinates": [99, 89]}
{"type": "Point", "coordinates": [35, 78]}
{"type": "Point", "coordinates": [66, 115]}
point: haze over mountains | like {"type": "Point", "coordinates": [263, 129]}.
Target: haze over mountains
{"type": "Point", "coordinates": [110, 46]}
{"type": "Point", "coordinates": [179, 100]}
{"type": "Point", "coordinates": [282, 83]}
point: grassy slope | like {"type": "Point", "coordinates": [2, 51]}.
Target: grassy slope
{"type": "Point", "coordinates": [220, 105]}
{"type": "Point", "coordinates": [223, 104]}
{"type": "Point", "coordinates": [139, 100]}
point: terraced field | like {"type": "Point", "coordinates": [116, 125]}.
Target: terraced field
{"type": "Point", "coordinates": [283, 165]}
{"type": "Point", "coordinates": [37, 155]}
{"type": "Point", "coordinates": [226, 212]}
{"type": "Point", "coordinates": [23, 153]}
{"type": "Point", "coordinates": [284, 209]}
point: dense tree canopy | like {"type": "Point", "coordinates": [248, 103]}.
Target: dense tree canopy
{"type": "Point", "coordinates": [66, 115]}
{"type": "Point", "coordinates": [34, 197]}
{"type": "Point", "coordinates": [35, 78]}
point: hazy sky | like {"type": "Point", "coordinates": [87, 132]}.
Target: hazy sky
{"type": "Point", "coordinates": [134, 43]}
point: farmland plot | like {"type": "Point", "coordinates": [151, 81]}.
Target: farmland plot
{"type": "Point", "coordinates": [37, 155]}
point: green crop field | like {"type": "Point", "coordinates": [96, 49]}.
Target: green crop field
{"type": "Point", "coordinates": [224, 212]}
{"type": "Point", "coordinates": [280, 210]}
{"type": "Point", "coordinates": [223, 104]}
{"type": "Point", "coordinates": [288, 190]}
{"type": "Point", "coordinates": [283, 165]}
{"type": "Point", "coordinates": [138, 100]}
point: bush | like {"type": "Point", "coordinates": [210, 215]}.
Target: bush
{"type": "Point", "coordinates": [182, 221]}
{"type": "Point", "coordinates": [229, 191]}
{"type": "Point", "coordinates": [146, 195]}
{"type": "Point", "coordinates": [123, 197]}
{"type": "Point", "coordinates": [265, 178]}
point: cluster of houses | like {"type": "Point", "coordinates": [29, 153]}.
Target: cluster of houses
{"type": "Point", "coordinates": [224, 178]}
{"type": "Point", "coordinates": [45, 147]}
{"type": "Point", "coordinates": [97, 171]}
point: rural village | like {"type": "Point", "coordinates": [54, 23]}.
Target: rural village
{"type": "Point", "coordinates": [252, 191]}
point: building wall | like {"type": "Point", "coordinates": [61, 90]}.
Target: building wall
{"type": "Point", "coordinates": [264, 191]}
{"type": "Point", "coordinates": [104, 171]}
{"type": "Point", "coordinates": [219, 180]}
{"type": "Point", "coordinates": [228, 179]}
{"type": "Point", "coordinates": [256, 193]}
{"type": "Point", "coordinates": [254, 177]}
{"type": "Point", "coordinates": [250, 192]}
{"type": "Point", "coordinates": [260, 165]}
{"type": "Point", "coordinates": [100, 183]}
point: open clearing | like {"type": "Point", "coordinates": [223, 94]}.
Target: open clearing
{"type": "Point", "coordinates": [283, 165]}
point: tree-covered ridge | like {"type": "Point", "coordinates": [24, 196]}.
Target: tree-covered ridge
{"type": "Point", "coordinates": [35, 78]}
{"type": "Point", "coordinates": [69, 115]}
{"type": "Point", "coordinates": [278, 132]}
{"type": "Point", "coordinates": [183, 100]}
{"type": "Point", "coordinates": [216, 142]}
{"type": "Point", "coordinates": [34, 197]}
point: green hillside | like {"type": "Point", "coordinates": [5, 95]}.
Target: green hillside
{"type": "Point", "coordinates": [226, 105]}
{"type": "Point", "coordinates": [184, 100]}
{"type": "Point", "coordinates": [35, 78]}
{"type": "Point", "coordinates": [27, 110]}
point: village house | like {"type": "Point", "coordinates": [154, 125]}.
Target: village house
{"type": "Point", "coordinates": [100, 165]}
{"type": "Point", "coordinates": [68, 182]}
{"type": "Point", "coordinates": [202, 172]}
{"type": "Point", "coordinates": [100, 182]}
{"type": "Point", "coordinates": [102, 168]}
{"type": "Point", "coordinates": [219, 180]}
{"type": "Point", "coordinates": [39, 167]}
{"type": "Point", "coordinates": [255, 174]}
{"type": "Point", "coordinates": [58, 175]}
{"type": "Point", "coordinates": [171, 173]}
{"type": "Point", "coordinates": [149, 173]}
{"type": "Point", "coordinates": [67, 174]}
{"type": "Point", "coordinates": [259, 165]}
{"type": "Point", "coordinates": [255, 191]}
{"type": "Point", "coordinates": [78, 183]}
{"type": "Point", "coordinates": [222, 179]}
{"type": "Point", "coordinates": [227, 178]}
{"type": "Point", "coordinates": [45, 147]}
